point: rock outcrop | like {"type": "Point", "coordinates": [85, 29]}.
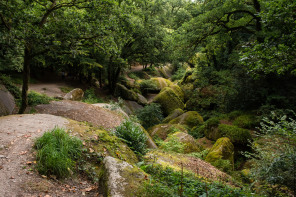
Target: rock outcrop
{"type": "Point", "coordinates": [7, 102]}
{"type": "Point", "coordinates": [74, 95]}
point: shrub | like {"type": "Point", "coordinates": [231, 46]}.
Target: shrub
{"type": "Point", "coordinates": [197, 132]}
{"type": "Point", "coordinates": [179, 74]}
{"type": "Point", "coordinates": [35, 98]}
{"type": "Point", "coordinates": [90, 97]}
{"type": "Point", "coordinates": [223, 165]}
{"type": "Point", "coordinates": [246, 121]}
{"type": "Point", "coordinates": [275, 153]}
{"type": "Point", "coordinates": [173, 144]}
{"type": "Point", "coordinates": [133, 135]}
{"type": "Point", "coordinates": [150, 115]}
{"type": "Point", "coordinates": [57, 152]}
{"type": "Point", "coordinates": [201, 155]}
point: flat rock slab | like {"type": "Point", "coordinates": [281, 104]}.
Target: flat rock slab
{"type": "Point", "coordinates": [79, 111]}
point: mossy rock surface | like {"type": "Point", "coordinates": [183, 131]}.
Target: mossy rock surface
{"type": "Point", "coordinates": [178, 91]}
{"type": "Point", "coordinates": [187, 142]}
{"type": "Point", "coordinates": [163, 130]}
{"type": "Point", "coordinates": [189, 163]}
{"type": "Point", "coordinates": [169, 101]}
{"type": "Point", "coordinates": [74, 95]}
{"type": "Point", "coordinates": [125, 93]}
{"type": "Point", "coordinates": [222, 149]}
{"type": "Point", "coordinates": [102, 142]}
{"type": "Point", "coordinates": [237, 136]}
{"type": "Point", "coordinates": [173, 115]}
{"type": "Point", "coordinates": [161, 82]}
{"type": "Point", "coordinates": [188, 90]}
{"type": "Point", "coordinates": [120, 178]}
{"type": "Point", "coordinates": [246, 121]}
{"type": "Point", "coordinates": [190, 118]}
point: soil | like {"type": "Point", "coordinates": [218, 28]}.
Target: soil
{"type": "Point", "coordinates": [17, 172]}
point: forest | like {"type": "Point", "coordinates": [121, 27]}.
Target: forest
{"type": "Point", "coordinates": [198, 84]}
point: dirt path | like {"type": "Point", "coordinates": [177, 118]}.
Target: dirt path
{"type": "Point", "coordinates": [17, 134]}
{"type": "Point", "coordinates": [79, 111]}
{"type": "Point", "coordinates": [50, 89]}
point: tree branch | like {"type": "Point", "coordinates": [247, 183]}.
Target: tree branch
{"type": "Point", "coordinates": [4, 22]}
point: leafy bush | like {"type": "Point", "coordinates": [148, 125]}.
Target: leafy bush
{"type": "Point", "coordinates": [201, 155]}
{"type": "Point", "coordinates": [133, 135]}
{"type": "Point", "coordinates": [172, 145]}
{"type": "Point", "coordinates": [35, 98]}
{"type": "Point", "coordinates": [57, 152]}
{"type": "Point", "coordinates": [237, 135]}
{"type": "Point", "coordinates": [150, 115]}
{"type": "Point", "coordinates": [197, 132]}
{"type": "Point", "coordinates": [275, 153]}
{"type": "Point", "coordinates": [179, 74]}
{"type": "Point", "coordinates": [223, 165]}
{"type": "Point", "coordinates": [246, 121]}
{"type": "Point", "coordinates": [90, 97]}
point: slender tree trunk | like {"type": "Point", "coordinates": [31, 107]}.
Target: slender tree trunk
{"type": "Point", "coordinates": [257, 7]}
{"type": "Point", "coordinates": [100, 78]}
{"type": "Point", "coordinates": [26, 77]}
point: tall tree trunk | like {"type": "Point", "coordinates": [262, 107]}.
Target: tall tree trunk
{"type": "Point", "coordinates": [26, 78]}
{"type": "Point", "coordinates": [257, 7]}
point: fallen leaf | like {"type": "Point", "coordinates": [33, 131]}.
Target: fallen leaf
{"type": "Point", "coordinates": [83, 143]}
{"type": "Point", "coordinates": [23, 153]}
{"type": "Point", "coordinates": [38, 130]}
{"type": "Point", "coordinates": [43, 176]}
{"type": "Point", "coordinates": [12, 177]}
{"type": "Point", "coordinates": [47, 195]}
{"type": "Point", "coordinates": [96, 137]}
{"type": "Point", "coordinates": [91, 150]}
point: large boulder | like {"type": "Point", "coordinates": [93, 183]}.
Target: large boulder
{"type": "Point", "coordinates": [187, 144]}
{"type": "Point", "coordinates": [178, 91]}
{"type": "Point", "coordinates": [237, 136]}
{"type": "Point", "coordinates": [169, 101]}
{"type": "Point", "coordinates": [120, 178]}
{"type": "Point", "coordinates": [74, 95]}
{"type": "Point", "coordinates": [112, 108]}
{"type": "Point", "coordinates": [173, 115]}
{"type": "Point", "coordinates": [161, 82]}
{"type": "Point", "coordinates": [7, 102]}
{"type": "Point", "coordinates": [125, 93]}
{"type": "Point", "coordinates": [189, 163]}
{"type": "Point", "coordinates": [190, 118]}
{"type": "Point", "coordinates": [222, 149]}
{"type": "Point", "coordinates": [163, 130]}
{"type": "Point", "coordinates": [130, 107]}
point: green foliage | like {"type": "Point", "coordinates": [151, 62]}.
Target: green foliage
{"type": "Point", "coordinates": [35, 98]}
{"type": "Point", "coordinates": [150, 115]}
{"type": "Point", "coordinates": [274, 158]}
{"type": "Point", "coordinates": [223, 165]}
{"type": "Point", "coordinates": [197, 132]}
{"type": "Point", "coordinates": [66, 89]}
{"type": "Point", "coordinates": [90, 97]}
{"type": "Point", "coordinates": [173, 144]}
{"type": "Point", "coordinates": [10, 86]}
{"type": "Point", "coordinates": [201, 155]}
{"type": "Point", "coordinates": [133, 135]}
{"type": "Point", "coordinates": [246, 121]}
{"type": "Point", "coordinates": [179, 74]}
{"type": "Point", "coordinates": [167, 182]}
{"type": "Point", "coordinates": [57, 152]}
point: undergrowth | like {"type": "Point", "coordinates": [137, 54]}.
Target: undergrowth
{"type": "Point", "coordinates": [57, 153]}
{"type": "Point", "coordinates": [90, 97]}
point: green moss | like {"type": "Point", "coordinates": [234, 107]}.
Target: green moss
{"type": "Point", "coordinates": [173, 115]}
{"type": "Point", "coordinates": [163, 130]}
{"type": "Point", "coordinates": [191, 119]}
{"type": "Point", "coordinates": [169, 101]}
{"type": "Point", "coordinates": [102, 142]}
{"type": "Point", "coordinates": [125, 93]}
{"type": "Point", "coordinates": [222, 149]}
{"type": "Point", "coordinates": [237, 135]}
{"type": "Point", "coordinates": [179, 92]}
{"type": "Point", "coordinates": [161, 82]}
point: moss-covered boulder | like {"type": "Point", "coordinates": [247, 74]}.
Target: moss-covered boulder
{"type": "Point", "coordinates": [74, 95]}
{"type": "Point", "coordinates": [163, 130]}
{"type": "Point", "coordinates": [102, 142]}
{"type": "Point", "coordinates": [125, 93]}
{"type": "Point", "coordinates": [181, 142]}
{"type": "Point", "coordinates": [237, 136]}
{"type": "Point", "coordinates": [130, 107]}
{"type": "Point", "coordinates": [120, 178]}
{"type": "Point", "coordinates": [178, 91]}
{"type": "Point", "coordinates": [222, 149]}
{"type": "Point", "coordinates": [189, 163]}
{"type": "Point", "coordinates": [169, 101]}
{"type": "Point", "coordinates": [173, 115]}
{"type": "Point", "coordinates": [190, 118]}
{"type": "Point", "coordinates": [161, 82]}
{"type": "Point", "coordinates": [247, 121]}
{"type": "Point", "coordinates": [141, 99]}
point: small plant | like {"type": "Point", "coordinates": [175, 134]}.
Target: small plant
{"type": "Point", "coordinates": [147, 86]}
{"type": "Point", "coordinates": [133, 135]}
{"type": "Point", "coordinates": [201, 155]}
{"type": "Point", "coordinates": [116, 105]}
{"type": "Point", "coordinates": [197, 132]}
{"type": "Point", "coordinates": [246, 121]}
{"type": "Point", "coordinates": [90, 97]}
{"type": "Point", "coordinates": [11, 87]}
{"type": "Point", "coordinates": [35, 98]}
{"type": "Point", "coordinates": [150, 115]}
{"type": "Point", "coordinates": [172, 145]}
{"type": "Point", "coordinates": [66, 89]}
{"type": "Point", "coordinates": [223, 165]}
{"type": "Point", "coordinates": [57, 152]}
